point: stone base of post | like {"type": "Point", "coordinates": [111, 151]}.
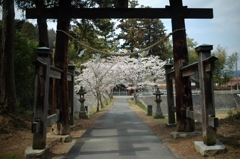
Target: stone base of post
{"type": "Point", "coordinates": [61, 138]}
{"type": "Point", "coordinates": [31, 153]}
{"type": "Point", "coordinates": [206, 151]}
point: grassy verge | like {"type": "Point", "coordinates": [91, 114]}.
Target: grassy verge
{"type": "Point", "coordinates": [139, 104]}
{"type": "Point", "coordinates": [143, 107]}
{"type": "Point", "coordinates": [9, 156]}
{"type": "Point", "coordinates": [107, 103]}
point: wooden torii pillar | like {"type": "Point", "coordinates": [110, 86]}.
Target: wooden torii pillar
{"type": "Point", "coordinates": [176, 12]}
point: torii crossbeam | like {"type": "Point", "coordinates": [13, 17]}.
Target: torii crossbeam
{"type": "Point", "coordinates": [176, 12]}
{"type": "Point", "coordinates": [93, 13]}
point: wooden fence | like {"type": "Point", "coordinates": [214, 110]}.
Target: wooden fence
{"type": "Point", "coordinates": [204, 68]}
{"type": "Point", "coordinates": [44, 71]}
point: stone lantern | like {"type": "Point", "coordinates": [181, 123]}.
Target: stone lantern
{"type": "Point", "coordinates": [158, 113]}
{"type": "Point", "coordinates": [83, 112]}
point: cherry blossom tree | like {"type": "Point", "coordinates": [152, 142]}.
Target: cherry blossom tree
{"type": "Point", "coordinates": [97, 77]}
{"type": "Point", "coordinates": [140, 74]}
{"type": "Point", "coordinates": [100, 77]}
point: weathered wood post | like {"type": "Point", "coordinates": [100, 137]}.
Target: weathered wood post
{"type": "Point", "coordinates": [180, 52]}
{"type": "Point", "coordinates": [41, 97]}
{"type": "Point", "coordinates": [71, 70]}
{"type": "Point", "coordinates": [83, 112]}
{"type": "Point", "coordinates": [207, 94]}
{"type": "Point", "coordinates": [170, 97]}
{"type": "Point", "coordinates": [60, 87]}
{"type": "Point", "coordinates": [158, 113]}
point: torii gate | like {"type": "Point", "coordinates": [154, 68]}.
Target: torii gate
{"type": "Point", "coordinates": [176, 12]}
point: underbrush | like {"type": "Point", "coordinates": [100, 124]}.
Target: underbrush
{"type": "Point", "coordinates": [229, 130]}
{"type": "Point", "coordinates": [233, 115]}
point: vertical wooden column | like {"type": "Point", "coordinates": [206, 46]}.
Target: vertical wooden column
{"type": "Point", "coordinates": [170, 97]}
{"type": "Point", "coordinates": [60, 87]}
{"type": "Point", "coordinates": [71, 69]}
{"type": "Point", "coordinates": [41, 97]}
{"type": "Point", "coordinates": [207, 94]}
{"type": "Point", "coordinates": [182, 84]}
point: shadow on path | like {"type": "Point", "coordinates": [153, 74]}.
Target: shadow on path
{"type": "Point", "coordinates": [119, 133]}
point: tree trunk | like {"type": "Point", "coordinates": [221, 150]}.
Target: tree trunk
{"type": "Point", "coordinates": [100, 99]}
{"type": "Point", "coordinates": [98, 103]}
{"type": "Point", "coordinates": [7, 79]}
{"type": "Point", "coordinates": [110, 96]}
{"type": "Point", "coordinates": [135, 95]}
{"type": "Point", "coordinates": [106, 101]}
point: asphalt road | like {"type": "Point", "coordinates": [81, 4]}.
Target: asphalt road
{"type": "Point", "coordinates": [119, 134]}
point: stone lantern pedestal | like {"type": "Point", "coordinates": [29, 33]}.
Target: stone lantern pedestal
{"type": "Point", "coordinates": [83, 113]}
{"type": "Point", "coordinates": [158, 113]}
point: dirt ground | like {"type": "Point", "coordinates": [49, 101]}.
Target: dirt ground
{"type": "Point", "coordinates": [15, 136]}
{"type": "Point", "coordinates": [228, 133]}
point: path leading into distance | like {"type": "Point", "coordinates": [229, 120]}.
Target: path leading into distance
{"type": "Point", "coordinates": [120, 134]}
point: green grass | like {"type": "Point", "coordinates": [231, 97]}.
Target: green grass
{"type": "Point", "coordinates": [142, 106]}
{"type": "Point", "coordinates": [233, 115]}
{"type": "Point", "coordinates": [228, 115]}
{"type": "Point", "coordinates": [93, 109]}
{"type": "Point", "coordinates": [9, 156]}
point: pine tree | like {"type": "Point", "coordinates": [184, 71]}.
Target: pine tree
{"type": "Point", "coordinates": [28, 31]}
{"type": "Point", "coordinates": [140, 33]}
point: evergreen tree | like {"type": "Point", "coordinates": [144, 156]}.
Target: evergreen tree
{"type": "Point", "coordinates": [140, 33]}
{"type": "Point", "coordinates": [42, 22]}
{"type": "Point", "coordinates": [28, 31]}
{"type": "Point", "coordinates": [25, 54]}
{"type": "Point", "coordinates": [51, 37]}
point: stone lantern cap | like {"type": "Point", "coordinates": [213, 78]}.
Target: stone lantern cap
{"type": "Point", "coordinates": [82, 91]}
{"type": "Point", "coordinates": [157, 92]}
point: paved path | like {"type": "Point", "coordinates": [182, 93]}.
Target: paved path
{"type": "Point", "coordinates": [119, 134]}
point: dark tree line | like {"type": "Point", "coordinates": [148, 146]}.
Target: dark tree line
{"type": "Point", "coordinates": [7, 83]}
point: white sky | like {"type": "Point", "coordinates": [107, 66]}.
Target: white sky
{"type": "Point", "coordinates": [223, 29]}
